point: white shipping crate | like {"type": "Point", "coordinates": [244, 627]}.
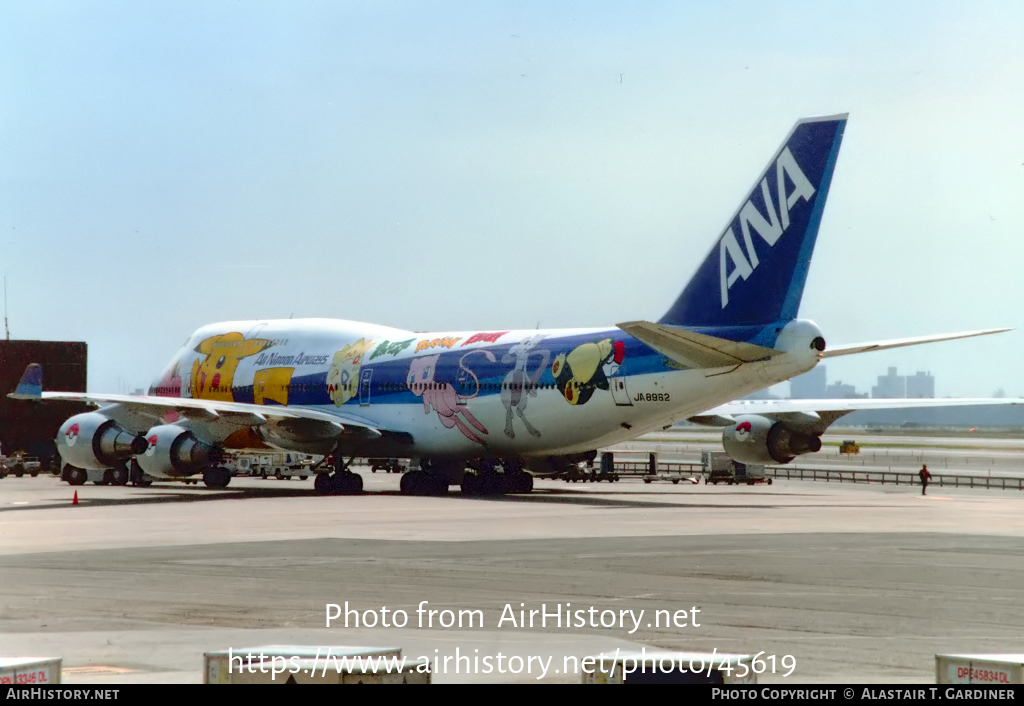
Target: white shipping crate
{"type": "Point", "coordinates": [979, 669]}
{"type": "Point", "coordinates": [304, 664]}
{"type": "Point", "coordinates": [667, 668]}
{"type": "Point", "coordinates": [30, 670]}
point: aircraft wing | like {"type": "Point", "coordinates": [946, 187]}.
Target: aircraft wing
{"type": "Point", "coordinates": [850, 349]}
{"type": "Point", "coordinates": [237, 413]}
{"type": "Point", "coordinates": [822, 413]}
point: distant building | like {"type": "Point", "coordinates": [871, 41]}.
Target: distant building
{"type": "Point", "coordinates": [810, 385]}
{"type": "Point", "coordinates": [890, 386]}
{"type": "Point", "coordinates": [841, 391]}
{"type": "Point", "coordinates": [920, 385]}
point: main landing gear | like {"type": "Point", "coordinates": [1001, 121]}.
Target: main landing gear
{"type": "Point", "coordinates": [483, 477]}
{"type": "Point", "coordinates": [423, 483]}
{"type": "Point", "coordinates": [216, 478]}
{"type": "Point", "coordinates": [341, 482]}
{"type": "Point", "coordinates": [346, 483]}
{"type": "Point", "coordinates": [489, 483]}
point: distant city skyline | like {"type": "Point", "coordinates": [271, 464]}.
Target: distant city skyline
{"type": "Point", "coordinates": [815, 384]}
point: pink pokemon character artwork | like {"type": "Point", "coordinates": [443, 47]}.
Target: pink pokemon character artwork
{"type": "Point", "coordinates": [442, 397]}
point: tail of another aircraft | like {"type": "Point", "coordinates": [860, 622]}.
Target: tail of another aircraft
{"type": "Point", "coordinates": [30, 387]}
{"type": "Point", "coordinates": [754, 276]}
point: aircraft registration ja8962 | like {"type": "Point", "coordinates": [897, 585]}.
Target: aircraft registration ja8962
{"type": "Point", "coordinates": [490, 409]}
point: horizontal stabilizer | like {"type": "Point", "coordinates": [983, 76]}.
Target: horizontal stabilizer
{"type": "Point", "coordinates": [30, 387]}
{"type": "Point", "coordinates": [695, 350]}
{"type": "Point", "coordinates": [850, 349]}
{"type": "Point", "coordinates": [777, 408]}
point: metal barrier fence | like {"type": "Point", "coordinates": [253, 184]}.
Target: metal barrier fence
{"type": "Point", "coordinates": [895, 478]}
{"type": "Point", "coordinates": [641, 469]}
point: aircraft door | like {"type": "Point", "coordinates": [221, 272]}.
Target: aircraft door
{"type": "Point", "coordinates": [463, 386]}
{"type": "Point", "coordinates": [364, 386]}
{"type": "Point", "coordinates": [619, 392]}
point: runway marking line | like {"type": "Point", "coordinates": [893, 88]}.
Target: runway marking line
{"type": "Point", "coordinates": [98, 669]}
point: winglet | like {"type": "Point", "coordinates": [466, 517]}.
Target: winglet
{"type": "Point", "coordinates": [31, 385]}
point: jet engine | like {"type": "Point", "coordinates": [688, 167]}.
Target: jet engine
{"type": "Point", "coordinates": [91, 440]}
{"type": "Point", "coordinates": [759, 440]}
{"type": "Point", "coordinates": [174, 451]}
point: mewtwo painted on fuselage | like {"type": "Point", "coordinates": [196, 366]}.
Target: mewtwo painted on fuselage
{"type": "Point", "coordinates": [478, 407]}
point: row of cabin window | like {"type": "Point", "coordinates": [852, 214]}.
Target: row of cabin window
{"type": "Point", "coordinates": [386, 387]}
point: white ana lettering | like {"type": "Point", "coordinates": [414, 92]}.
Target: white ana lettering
{"type": "Point", "coordinates": [802, 189]}
{"type": "Point", "coordinates": [769, 230]}
{"type": "Point", "coordinates": [730, 245]}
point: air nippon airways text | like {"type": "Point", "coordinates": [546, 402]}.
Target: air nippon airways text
{"type": "Point", "coordinates": [770, 229]}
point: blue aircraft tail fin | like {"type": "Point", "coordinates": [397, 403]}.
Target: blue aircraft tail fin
{"type": "Point", "coordinates": [31, 385]}
{"type": "Point", "coordinates": [755, 273]}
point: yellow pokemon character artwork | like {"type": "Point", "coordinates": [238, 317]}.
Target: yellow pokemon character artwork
{"type": "Point", "coordinates": [587, 368]}
{"type": "Point", "coordinates": [213, 376]}
{"type": "Point", "coordinates": [343, 375]}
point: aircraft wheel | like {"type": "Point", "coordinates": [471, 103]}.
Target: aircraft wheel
{"type": "Point", "coordinates": [118, 476]}
{"type": "Point", "coordinates": [435, 485]}
{"type": "Point", "coordinates": [675, 482]}
{"type": "Point", "coordinates": [471, 484]}
{"type": "Point", "coordinates": [519, 482]}
{"type": "Point", "coordinates": [409, 483]}
{"type": "Point", "coordinates": [348, 484]}
{"type": "Point", "coordinates": [322, 484]}
{"type": "Point", "coordinates": [279, 475]}
{"type": "Point", "coordinates": [108, 476]}
{"type": "Point", "coordinates": [216, 478]}
{"type": "Point", "coordinates": [493, 484]}
{"type": "Point", "coordinates": [76, 476]}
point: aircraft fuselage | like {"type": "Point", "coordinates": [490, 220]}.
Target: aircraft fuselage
{"type": "Point", "coordinates": [465, 394]}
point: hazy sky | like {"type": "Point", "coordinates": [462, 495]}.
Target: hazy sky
{"type": "Point", "coordinates": [435, 165]}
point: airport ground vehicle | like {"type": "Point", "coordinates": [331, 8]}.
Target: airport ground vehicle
{"type": "Point", "coordinates": [388, 465]}
{"type": "Point", "coordinates": [720, 468]}
{"type": "Point", "coordinates": [280, 465]}
{"type": "Point", "coordinates": [18, 465]}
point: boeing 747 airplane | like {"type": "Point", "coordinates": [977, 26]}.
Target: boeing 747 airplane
{"type": "Point", "coordinates": [489, 409]}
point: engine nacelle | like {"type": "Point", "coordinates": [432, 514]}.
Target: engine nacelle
{"type": "Point", "coordinates": [174, 451]}
{"type": "Point", "coordinates": [759, 440]}
{"type": "Point", "coordinates": [92, 440]}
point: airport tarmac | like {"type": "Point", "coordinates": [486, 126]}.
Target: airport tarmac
{"type": "Point", "coordinates": [960, 454]}
{"type": "Point", "coordinates": [858, 583]}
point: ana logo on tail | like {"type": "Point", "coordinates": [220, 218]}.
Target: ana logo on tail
{"type": "Point", "coordinates": [769, 229]}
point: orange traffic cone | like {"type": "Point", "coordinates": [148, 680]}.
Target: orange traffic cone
{"type": "Point", "coordinates": [74, 500]}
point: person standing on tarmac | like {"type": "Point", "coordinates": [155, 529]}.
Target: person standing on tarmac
{"type": "Point", "coordinates": [925, 477]}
